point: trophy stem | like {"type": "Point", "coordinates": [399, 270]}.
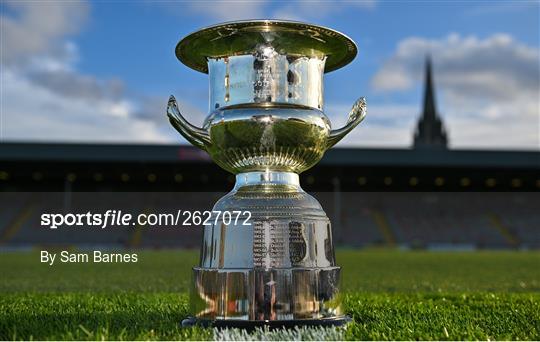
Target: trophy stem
{"type": "Point", "coordinates": [266, 178]}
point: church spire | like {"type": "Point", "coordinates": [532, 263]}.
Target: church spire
{"type": "Point", "coordinates": [430, 131]}
{"type": "Point", "coordinates": [429, 94]}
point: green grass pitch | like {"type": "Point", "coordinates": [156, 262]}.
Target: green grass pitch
{"type": "Point", "coordinates": [390, 295]}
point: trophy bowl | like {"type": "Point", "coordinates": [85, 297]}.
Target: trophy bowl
{"type": "Point", "coordinates": [266, 93]}
{"type": "Point", "coordinates": [266, 125]}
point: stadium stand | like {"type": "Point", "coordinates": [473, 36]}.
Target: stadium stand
{"type": "Point", "coordinates": [444, 220]}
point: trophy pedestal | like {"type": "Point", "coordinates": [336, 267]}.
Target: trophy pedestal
{"type": "Point", "coordinates": [279, 270]}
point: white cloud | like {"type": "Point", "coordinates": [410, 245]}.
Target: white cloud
{"type": "Point", "coordinates": [36, 46]}
{"type": "Point", "coordinates": [465, 62]}
{"type": "Point", "coordinates": [34, 113]}
{"type": "Point", "coordinates": [65, 80]}
{"type": "Point", "coordinates": [45, 97]}
{"type": "Point", "coordinates": [502, 132]}
{"type": "Point", "coordinates": [384, 125]}
{"type": "Point", "coordinates": [490, 87]}
{"type": "Point", "coordinates": [39, 28]}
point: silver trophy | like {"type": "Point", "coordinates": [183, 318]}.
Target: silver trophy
{"type": "Point", "coordinates": [266, 125]}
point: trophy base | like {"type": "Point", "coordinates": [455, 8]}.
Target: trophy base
{"type": "Point", "coordinates": [266, 295]}
{"type": "Point", "coordinates": [275, 324]}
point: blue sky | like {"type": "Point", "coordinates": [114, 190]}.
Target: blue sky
{"type": "Point", "coordinates": [102, 71]}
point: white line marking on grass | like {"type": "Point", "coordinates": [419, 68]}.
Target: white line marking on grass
{"type": "Point", "coordinates": [296, 334]}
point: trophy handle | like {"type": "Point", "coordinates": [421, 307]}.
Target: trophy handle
{"type": "Point", "coordinates": [356, 115]}
{"type": "Point", "coordinates": [195, 135]}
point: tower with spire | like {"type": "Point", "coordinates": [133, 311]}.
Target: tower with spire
{"type": "Point", "coordinates": [430, 131]}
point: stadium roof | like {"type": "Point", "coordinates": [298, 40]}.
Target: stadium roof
{"type": "Point", "coordinates": [336, 156]}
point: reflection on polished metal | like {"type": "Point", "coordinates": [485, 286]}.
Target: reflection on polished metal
{"type": "Point", "coordinates": [266, 125]}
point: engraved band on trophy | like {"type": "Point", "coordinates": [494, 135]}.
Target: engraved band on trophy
{"type": "Point", "coordinates": [266, 125]}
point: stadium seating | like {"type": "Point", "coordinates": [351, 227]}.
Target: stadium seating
{"type": "Point", "coordinates": [407, 220]}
